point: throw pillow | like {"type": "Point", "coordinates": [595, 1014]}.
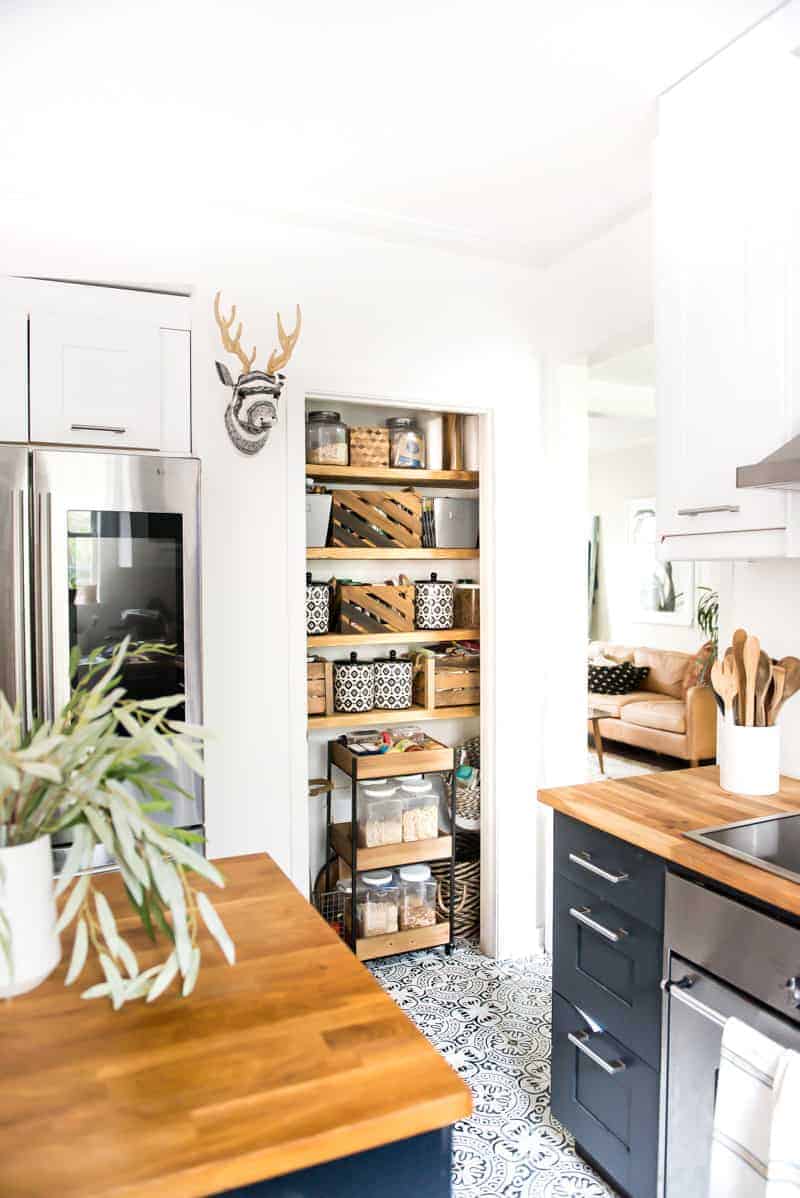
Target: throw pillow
{"type": "Point", "coordinates": [617, 680]}
{"type": "Point", "coordinates": [698, 671]}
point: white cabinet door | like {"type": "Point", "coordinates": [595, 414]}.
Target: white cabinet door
{"type": "Point", "coordinates": [13, 364]}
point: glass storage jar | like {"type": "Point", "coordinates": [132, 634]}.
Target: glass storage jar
{"type": "Point", "coordinates": [326, 439]}
{"type": "Point", "coordinates": [377, 904]}
{"type": "Point", "coordinates": [417, 897]}
{"type": "Point", "coordinates": [420, 810]}
{"type": "Point", "coordinates": [467, 603]}
{"type": "Point", "coordinates": [406, 443]}
{"type": "Point", "coordinates": [380, 818]}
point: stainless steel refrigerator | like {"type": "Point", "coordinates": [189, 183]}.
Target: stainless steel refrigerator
{"type": "Point", "coordinates": [95, 547]}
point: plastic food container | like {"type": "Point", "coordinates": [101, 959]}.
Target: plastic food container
{"type": "Point", "coordinates": [380, 818]}
{"type": "Point", "coordinates": [406, 443]}
{"type": "Point", "coordinates": [467, 603]}
{"type": "Point", "coordinates": [393, 681]}
{"type": "Point", "coordinates": [420, 810]}
{"type": "Point", "coordinates": [433, 604]}
{"type": "Point", "coordinates": [353, 685]}
{"type": "Point", "coordinates": [417, 897]}
{"type": "Point", "coordinates": [318, 607]}
{"type": "Point", "coordinates": [377, 904]}
{"type": "Point", "coordinates": [326, 439]}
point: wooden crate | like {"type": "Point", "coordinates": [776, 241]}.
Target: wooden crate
{"type": "Point", "coordinates": [453, 681]}
{"type": "Point", "coordinates": [365, 607]}
{"type": "Point", "coordinates": [433, 757]}
{"type": "Point", "coordinates": [320, 687]}
{"type": "Point", "coordinates": [376, 519]}
{"type": "Point", "coordinates": [369, 446]}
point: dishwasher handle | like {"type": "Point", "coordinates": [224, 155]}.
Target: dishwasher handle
{"type": "Point", "coordinates": [681, 992]}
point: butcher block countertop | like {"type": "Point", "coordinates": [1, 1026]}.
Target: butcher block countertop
{"type": "Point", "coordinates": [652, 811]}
{"type": "Point", "coordinates": [290, 1058]}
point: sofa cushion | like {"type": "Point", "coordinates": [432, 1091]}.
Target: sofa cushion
{"type": "Point", "coordinates": [612, 705]}
{"type": "Point", "coordinates": [617, 653]}
{"type": "Point", "coordinates": [667, 715]}
{"type": "Point", "coordinates": [667, 669]}
{"type": "Point", "coordinates": [616, 680]}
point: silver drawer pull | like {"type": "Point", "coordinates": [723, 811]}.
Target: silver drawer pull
{"type": "Point", "coordinates": [97, 428]}
{"type": "Point", "coordinates": [580, 1040]}
{"type": "Point", "coordinates": [678, 991]}
{"type": "Point", "coordinates": [584, 860]}
{"type": "Point", "coordinates": [709, 511]}
{"type": "Point", "coordinates": [583, 915]}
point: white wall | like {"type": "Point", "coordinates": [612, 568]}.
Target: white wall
{"type": "Point", "coordinates": [615, 478]}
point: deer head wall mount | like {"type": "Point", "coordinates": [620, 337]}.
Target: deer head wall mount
{"type": "Point", "coordinates": [252, 409]}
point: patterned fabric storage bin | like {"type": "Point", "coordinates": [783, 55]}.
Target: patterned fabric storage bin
{"type": "Point", "coordinates": [434, 604]}
{"type": "Point", "coordinates": [353, 685]}
{"type": "Point", "coordinates": [393, 682]}
{"type": "Point", "coordinates": [318, 607]}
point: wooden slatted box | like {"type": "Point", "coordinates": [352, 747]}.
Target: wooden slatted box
{"type": "Point", "coordinates": [376, 520]}
{"type": "Point", "coordinates": [320, 687]}
{"type": "Point", "coordinates": [367, 607]}
{"type": "Point", "coordinates": [449, 681]}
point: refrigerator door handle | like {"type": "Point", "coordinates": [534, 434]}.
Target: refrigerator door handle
{"type": "Point", "coordinates": [44, 608]}
{"type": "Point", "coordinates": [19, 526]}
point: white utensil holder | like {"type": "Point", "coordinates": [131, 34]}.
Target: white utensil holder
{"type": "Point", "coordinates": [27, 900]}
{"type": "Point", "coordinates": [750, 760]}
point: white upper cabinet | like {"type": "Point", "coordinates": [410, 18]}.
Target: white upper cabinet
{"type": "Point", "coordinates": [108, 367]}
{"type": "Point", "coordinates": [13, 364]}
{"type": "Point", "coordinates": [726, 215]}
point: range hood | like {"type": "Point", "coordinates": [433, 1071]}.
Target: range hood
{"type": "Point", "coordinates": [780, 471]}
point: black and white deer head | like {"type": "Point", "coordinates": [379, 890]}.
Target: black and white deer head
{"type": "Point", "coordinates": [252, 409]}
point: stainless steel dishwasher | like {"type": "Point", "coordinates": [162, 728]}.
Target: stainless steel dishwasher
{"type": "Point", "coordinates": [722, 959]}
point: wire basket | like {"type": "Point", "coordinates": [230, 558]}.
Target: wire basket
{"type": "Point", "coordinates": [334, 907]}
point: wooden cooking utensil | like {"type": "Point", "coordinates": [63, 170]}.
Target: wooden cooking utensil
{"type": "Point", "coordinates": [763, 683]}
{"type": "Point", "coordinates": [729, 657]}
{"type": "Point", "coordinates": [791, 681]}
{"type": "Point", "coordinates": [776, 697]}
{"type": "Point", "coordinates": [750, 658]}
{"type": "Point", "coordinates": [738, 644]}
{"type": "Point", "coordinates": [724, 682]}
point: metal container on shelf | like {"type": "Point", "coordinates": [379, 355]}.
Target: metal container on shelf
{"type": "Point", "coordinates": [326, 439]}
{"type": "Point", "coordinates": [318, 518]}
{"type": "Point", "coordinates": [455, 523]}
{"type": "Point", "coordinates": [393, 681]}
{"type": "Point", "coordinates": [406, 443]}
{"type": "Point", "coordinates": [433, 604]}
{"type": "Point", "coordinates": [353, 685]}
{"type": "Point", "coordinates": [318, 607]}
{"type": "Point", "coordinates": [467, 603]}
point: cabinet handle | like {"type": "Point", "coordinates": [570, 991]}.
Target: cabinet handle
{"type": "Point", "coordinates": [580, 1040]}
{"type": "Point", "coordinates": [709, 511]}
{"type": "Point", "coordinates": [584, 860]}
{"type": "Point", "coordinates": [98, 428]}
{"type": "Point", "coordinates": [583, 915]}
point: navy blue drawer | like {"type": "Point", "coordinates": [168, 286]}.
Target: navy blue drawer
{"type": "Point", "coordinates": [617, 871]}
{"type": "Point", "coordinates": [609, 965]}
{"type": "Point", "coordinates": [612, 1115]}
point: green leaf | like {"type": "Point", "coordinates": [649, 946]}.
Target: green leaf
{"type": "Point", "coordinates": [216, 927]}
{"type": "Point", "coordinates": [128, 957]}
{"type": "Point", "coordinates": [79, 950]}
{"type": "Point", "coordinates": [191, 976]}
{"type": "Point", "coordinates": [164, 978]}
{"type": "Point", "coordinates": [101, 990]}
{"type": "Point", "coordinates": [73, 903]}
{"type": "Point", "coordinates": [76, 857]}
{"type": "Point", "coordinates": [108, 925]}
{"type": "Point", "coordinates": [161, 919]}
{"type": "Point", "coordinates": [114, 979]}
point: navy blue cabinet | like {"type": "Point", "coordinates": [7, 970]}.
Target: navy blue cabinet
{"type": "Point", "coordinates": [607, 956]}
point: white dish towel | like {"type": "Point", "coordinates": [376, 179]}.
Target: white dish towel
{"type": "Point", "coordinates": [756, 1147]}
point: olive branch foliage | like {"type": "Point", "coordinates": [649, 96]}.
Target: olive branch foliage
{"type": "Point", "coordinates": [98, 769]}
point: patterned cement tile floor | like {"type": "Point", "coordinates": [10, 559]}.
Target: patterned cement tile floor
{"type": "Point", "coordinates": [491, 1020]}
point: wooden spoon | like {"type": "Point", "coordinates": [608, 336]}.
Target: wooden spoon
{"type": "Point", "coordinates": [791, 681]}
{"type": "Point", "coordinates": [724, 682]}
{"type": "Point", "coordinates": [739, 641]}
{"type": "Point", "coordinates": [778, 679]}
{"type": "Point", "coordinates": [763, 683]}
{"type": "Point", "coordinates": [750, 658]}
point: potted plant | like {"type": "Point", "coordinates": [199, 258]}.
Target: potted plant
{"type": "Point", "coordinates": [98, 769]}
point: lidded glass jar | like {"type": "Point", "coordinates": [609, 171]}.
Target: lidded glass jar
{"type": "Point", "coordinates": [417, 897]}
{"type": "Point", "coordinates": [467, 603]}
{"type": "Point", "coordinates": [406, 443]}
{"type": "Point", "coordinates": [326, 439]}
{"type": "Point", "coordinates": [380, 818]}
{"type": "Point", "coordinates": [377, 904]}
{"type": "Point", "coordinates": [420, 810]}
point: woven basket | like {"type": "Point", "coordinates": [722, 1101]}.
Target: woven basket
{"type": "Point", "coordinates": [369, 446]}
{"type": "Point", "coordinates": [473, 747]}
{"type": "Point", "coordinates": [468, 802]}
{"type": "Point", "coordinates": [467, 921]}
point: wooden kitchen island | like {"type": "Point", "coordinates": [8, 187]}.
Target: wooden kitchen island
{"type": "Point", "coordinates": [289, 1073]}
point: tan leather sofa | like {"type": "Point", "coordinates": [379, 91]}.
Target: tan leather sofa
{"type": "Point", "coordinates": [660, 717]}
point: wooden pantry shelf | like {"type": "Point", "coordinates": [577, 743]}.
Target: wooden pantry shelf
{"type": "Point", "coordinates": [402, 942]}
{"type": "Point", "coordinates": [382, 718]}
{"type": "Point", "coordinates": [333, 639]}
{"type": "Point", "coordinates": [387, 474]}
{"type": "Point", "coordinates": [339, 554]}
{"type": "Point", "coordinates": [386, 855]}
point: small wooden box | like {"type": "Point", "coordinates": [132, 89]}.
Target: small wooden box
{"type": "Point", "coordinates": [320, 687]}
{"type": "Point", "coordinates": [376, 520]}
{"type": "Point", "coordinates": [369, 446]}
{"type": "Point", "coordinates": [453, 681]}
{"type": "Point", "coordinates": [364, 607]}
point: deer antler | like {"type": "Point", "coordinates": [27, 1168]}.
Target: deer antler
{"type": "Point", "coordinates": [278, 359]}
{"type": "Point", "coordinates": [233, 344]}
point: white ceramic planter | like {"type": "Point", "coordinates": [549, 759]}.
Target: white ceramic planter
{"type": "Point", "coordinates": [26, 898]}
{"type": "Point", "coordinates": [750, 760]}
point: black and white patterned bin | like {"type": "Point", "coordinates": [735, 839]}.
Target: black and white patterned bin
{"type": "Point", "coordinates": [318, 607]}
{"type": "Point", "coordinates": [433, 604]}
{"type": "Point", "coordinates": [393, 681]}
{"type": "Point", "coordinates": [353, 685]}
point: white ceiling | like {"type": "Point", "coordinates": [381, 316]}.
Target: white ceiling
{"type": "Point", "coordinates": [515, 128]}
